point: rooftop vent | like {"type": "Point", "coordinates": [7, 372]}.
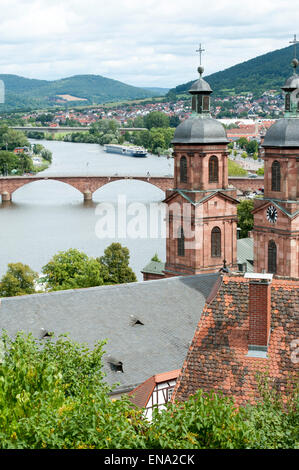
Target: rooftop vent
{"type": "Point", "coordinates": [135, 321]}
{"type": "Point", "coordinates": [115, 364]}
{"type": "Point", "coordinates": [45, 333]}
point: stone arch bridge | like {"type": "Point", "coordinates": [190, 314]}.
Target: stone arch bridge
{"type": "Point", "coordinates": [87, 185]}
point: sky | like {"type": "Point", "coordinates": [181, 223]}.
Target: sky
{"type": "Point", "coordinates": [140, 42]}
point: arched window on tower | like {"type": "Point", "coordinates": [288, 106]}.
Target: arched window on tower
{"type": "Point", "coordinates": [272, 257]}
{"type": "Point", "coordinates": [213, 169]}
{"type": "Point", "coordinates": [183, 170]}
{"type": "Point", "coordinates": [216, 242]}
{"type": "Point", "coordinates": [275, 176]}
{"type": "Point", "coordinates": [181, 242]}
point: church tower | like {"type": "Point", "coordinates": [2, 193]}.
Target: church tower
{"type": "Point", "coordinates": [276, 217]}
{"type": "Point", "coordinates": [202, 209]}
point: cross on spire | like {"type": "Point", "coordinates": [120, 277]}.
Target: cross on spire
{"type": "Point", "coordinates": [294, 42]}
{"type": "Point", "coordinates": [200, 50]}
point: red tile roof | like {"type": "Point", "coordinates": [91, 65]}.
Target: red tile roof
{"type": "Point", "coordinates": [217, 358]}
{"type": "Point", "coordinates": [141, 394]}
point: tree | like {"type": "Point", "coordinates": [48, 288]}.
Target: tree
{"type": "Point", "coordinates": [8, 162]}
{"type": "Point", "coordinates": [3, 130]}
{"type": "Point", "coordinates": [116, 263]}
{"type": "Point", "coordinates": [174, 121]}
{"type": "Point", "coordinates": [44, 118]}
{"type": "Point", "coordinates": [138, 122]}
{"type": "Point", "coordinates": [72, 269]}
{"type": "Point", "coordinates": [245, 217]}
{"type": "Point", "coordinates": [46, 154]}
{"type": "Point", "coordinates": [12, 139]}
{"type": "Point", "coordinates": [53, 395]}
{"type": "Point", "coordinates": [156, 119]}
{"type": "Point", "coordinates": [37, 148]}
{"type": "Point", "coordinates": [156, 258]}
{"type": "Point", "coordinates": [25, 164]}
{"type": "Point", "coordinates": [252, 147]}
{"type": "Point", "coordinates": [157, 140]}
{"type": "Point", "coordinates": [141, 138]}
{"type": "Point", "coordinates": [211, 421]}
{"type": "Point", "coordinates": [242, 142]}
{"type": "Point", "coordinates": [19, 280]}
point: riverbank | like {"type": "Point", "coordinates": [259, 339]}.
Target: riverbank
{"type": "Point", "coordinates": [46, 217]}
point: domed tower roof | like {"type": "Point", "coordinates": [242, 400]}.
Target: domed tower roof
{"type": "Point", "coordinates": [285, 132]}
{"type": "Point", "coordinates": [200, 86]}
{"type": "Point", "coordinates": [200, 127]}
{"type": "Point", "coordinates": [200, 130]}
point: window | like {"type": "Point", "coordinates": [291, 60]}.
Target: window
{"type": "Point", "coordinates": [272, 257]}
{"type": "Point", "coordinates": [181, 242]}
{"type": "Point", "coordinates": [275, 176]}
{"type": "Point", "coordinates": [183, 170]}
{"type": "Point", "coordinates": [213, 169]}
{"type": "Point", "coordinates": [242, 267]}
{"type": "Point", "coordinates": [169, 393]}
{"type": "Point", "coordinates": [206, 103]}
{"type": "Point", "coordinates": [216, 242]}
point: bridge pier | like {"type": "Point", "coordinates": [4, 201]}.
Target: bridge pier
{"type": "Point", "coordinates": [87, 195]}
{"type": "Point", "coordinates": [6, 197]}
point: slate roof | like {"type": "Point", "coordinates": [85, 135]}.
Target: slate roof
{"type": "Point", "coordinates": [200, 86]}
{"type": "Point", "coordinates": [168, 311]}
{"type": "Point", "coordinates": [154, 267]}
{"type": "Point", "coordinates": [200, 129]}
{"type": "Point", "coordinates": [283, 133]}
{"type": "Point", "coordinates": [217, 358]}
{"type": "Point", "coordinates": [245, 253]}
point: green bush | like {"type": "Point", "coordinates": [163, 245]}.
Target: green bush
{"type": "Point", "coordinates": [53, 395]}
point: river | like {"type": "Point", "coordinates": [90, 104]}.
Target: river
{"type": "Point", "coordinates": [46, 217]}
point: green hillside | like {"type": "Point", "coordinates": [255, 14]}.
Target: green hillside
{"type": "Point", "coordinates": [25, 93]}
{"type": "Point", "coordinates": [265, 72]}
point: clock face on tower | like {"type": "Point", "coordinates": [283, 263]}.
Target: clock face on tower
{"type": "Point", "coordinates": [272, 214]}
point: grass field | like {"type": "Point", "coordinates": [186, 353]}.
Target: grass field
{"type": "Point", "coordinates": [234, 169]}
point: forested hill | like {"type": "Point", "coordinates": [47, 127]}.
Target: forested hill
{"type": "Point", "coordinates": [21, 93]}
{"type": "Point", "coordinates": [266, 72]}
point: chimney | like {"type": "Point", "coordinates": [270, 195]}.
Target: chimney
{"type": "Point", "coordinates": [259, 306]}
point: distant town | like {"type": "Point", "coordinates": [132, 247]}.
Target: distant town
{"type": "Point", "coordinates": [260, 111]}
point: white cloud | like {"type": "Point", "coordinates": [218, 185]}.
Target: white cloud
{"type": "Point", "coordinates": [152, 42]}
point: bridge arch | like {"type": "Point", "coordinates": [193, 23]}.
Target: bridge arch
{"type": "Point", "coordinates": [132, 188]}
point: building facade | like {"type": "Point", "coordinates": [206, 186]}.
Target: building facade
{"type": "Point", "coordinates": [276, 217]}
{"type": "Point", "coordinates": [201, 208]}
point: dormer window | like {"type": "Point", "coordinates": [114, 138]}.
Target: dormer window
{"type": "Point", "coordinates": [115, 364]}
{"type": "Point", "coordinates": [134, 321]}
